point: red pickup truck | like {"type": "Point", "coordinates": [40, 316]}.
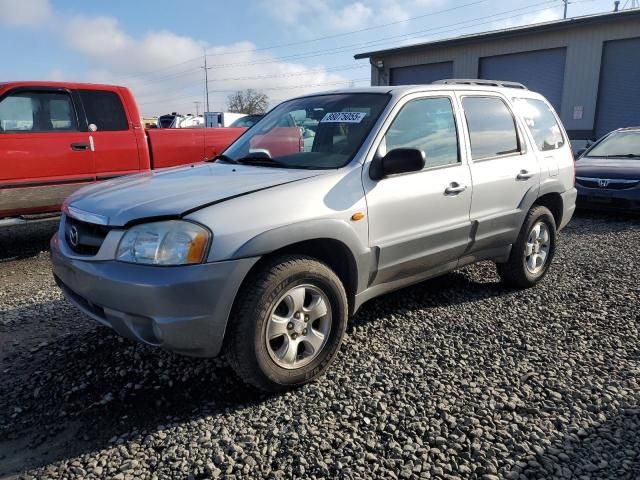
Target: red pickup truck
{"type": "Point", "coordinates": [57, 137]}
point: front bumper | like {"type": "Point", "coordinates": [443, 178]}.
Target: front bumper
{"type": "Point", "coordinates": [183, 309]}
{"type": "Point", "coordinates": [609, 199]}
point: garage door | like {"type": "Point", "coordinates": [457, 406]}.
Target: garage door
{"type": "Point", "coordinates": [421, 74]}
{"type": "Point", "coordinates": [619, 91]}
{"type": "Point", "coordinates": [541, 71]}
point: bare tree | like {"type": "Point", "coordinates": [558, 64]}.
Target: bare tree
{"type": "Point", "coordinates": [248, 101]}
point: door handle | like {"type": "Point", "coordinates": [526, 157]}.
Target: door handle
{"type": "Point", "coordinates": [524, 175]}
{"type": "Point", "coordinates": [79, 147]}
{"type": "Point", "coordinates": [454, 188]}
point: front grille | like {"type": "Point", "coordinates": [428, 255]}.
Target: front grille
{"type": "Point", "coordinates": [82, 237]}
{"type": "Point", "coordinates": [607, 183]}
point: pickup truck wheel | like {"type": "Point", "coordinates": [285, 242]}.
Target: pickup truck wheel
{"type": "Point", "coordinates": [533, 251]}
{"type": "Point", "coordinates": [288, 323]}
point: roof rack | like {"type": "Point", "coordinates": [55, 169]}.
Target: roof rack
{"type": "Point", "coordinates": [476, 81]}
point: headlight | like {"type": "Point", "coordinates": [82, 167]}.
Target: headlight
{"type": "Point", "coordinates": [173, 242]}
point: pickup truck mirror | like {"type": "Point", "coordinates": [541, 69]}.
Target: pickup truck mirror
{"type": "Point", "coordinates": [399, 160]}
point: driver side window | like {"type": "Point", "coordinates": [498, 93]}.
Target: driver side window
{"type": "Point", "coordinates": [426, 124]}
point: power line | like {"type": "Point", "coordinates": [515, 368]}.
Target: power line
{"type": "Point", "coordinates": [474, 22]}
{"type": "Point", "coordinates": [316, 39]}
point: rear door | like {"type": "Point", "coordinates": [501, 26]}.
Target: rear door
{"type": "Point", "coordinates": [44, 155]}
{"type": "Point", "coordinates": [115, 148]}
{"type": "Point", "coordinates": [420, 221]}
{"type": "Point", "coordinates": [503, 168]}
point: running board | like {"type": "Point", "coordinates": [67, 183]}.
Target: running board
{"type": "Point", "coordinates": [10, 222]}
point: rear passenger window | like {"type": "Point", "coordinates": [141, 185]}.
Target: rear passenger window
{"type": "Point", "coordinates": [429, 125]}
{"type": "Point", "coordinates": [104, 109]}
{"type": "Point", "coordinates": [541, 121]}
{"type": "Point", "coordinates": [37, 111]}
{"type": "Point", "coordinates": [492, 128]}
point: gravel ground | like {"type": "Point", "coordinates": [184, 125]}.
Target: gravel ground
{"type": "Point", "coordinates": [457, 377]}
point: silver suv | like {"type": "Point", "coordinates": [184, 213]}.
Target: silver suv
{"type": "Point", "coordinates": [264, 253]}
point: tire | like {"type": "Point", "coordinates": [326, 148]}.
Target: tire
{"type": "Point", "coordinates": [297, 354]}
{"type": "Point", "coordinates": [517, 271]}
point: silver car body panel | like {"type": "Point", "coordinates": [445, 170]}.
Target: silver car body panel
{"type": "Point", "coordinates": [411, 230]}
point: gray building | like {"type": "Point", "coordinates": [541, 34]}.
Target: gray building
{"type": "Point", "coordinates": [588, 67]}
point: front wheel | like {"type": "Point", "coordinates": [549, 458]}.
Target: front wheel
{"type": "Point", "coordinates": [533, 251]}
{"type": "Point", "coordinates": [288, 323]}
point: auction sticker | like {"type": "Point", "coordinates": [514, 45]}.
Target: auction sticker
{"type": "Point", "coordinates": [343, 117]}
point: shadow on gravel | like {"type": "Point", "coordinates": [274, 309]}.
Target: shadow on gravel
{"type": "Point", "coordinates": [25, 241]}
{"type": "Point", "coordinates": [450, 289]}
{"type": "Point", "coordinates": [606, 450]}
{"type": "Point", "coordinates": [89, 384]}
{"type": "Point", "coordinates": [83, 389]}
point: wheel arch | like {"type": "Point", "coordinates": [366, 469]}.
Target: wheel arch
{"type": "Point", "coordinates": [331, 241]}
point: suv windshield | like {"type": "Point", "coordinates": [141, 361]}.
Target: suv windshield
{"type": "Point", "coordinates": [316, 132]}
{"type": "Point", "coordinates": [619, 145]}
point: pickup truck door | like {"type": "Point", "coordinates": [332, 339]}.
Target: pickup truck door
{"type": "Point", "coordinates": [503, 168]}
{"type": "Point", "coordinates": [114, 143]}
{"type": "Point", "coordinates": [420, 221]}
{"type": "Point", "coordinates": [44, 156]}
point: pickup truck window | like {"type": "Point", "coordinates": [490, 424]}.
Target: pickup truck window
{"type": "Point", "coordinates": [37, 112]}
{"type": "Point", "coordinates": [427, 124]}
{"type": "Point", "coordinates": [492, 128]}
{"type": "Point", "coordinates": [314, 132]}
{"type": "Point", "coordinates": [104, 109]}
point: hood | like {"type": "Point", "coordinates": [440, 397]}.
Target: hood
{"type": "Point", "coordinates": [176, 192]}
{"type": "Point", "coordinates": [622, 168]}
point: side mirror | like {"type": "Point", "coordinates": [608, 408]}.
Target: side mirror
{"type": "Point", "coordinates": [399, 160]}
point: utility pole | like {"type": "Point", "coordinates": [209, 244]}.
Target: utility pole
{"type": "Point", "coordinates": [566, 4]}
{"type": "Point", "coordinates": [206, 81]}
{"type": "Point", "coordinates": [197, 108]}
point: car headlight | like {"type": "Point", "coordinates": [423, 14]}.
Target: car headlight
{"type": "Point", "coordinates": [173, 242]}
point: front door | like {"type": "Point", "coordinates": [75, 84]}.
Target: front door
{"type": "Point", "coordinates": [112, 136]}
{"type": "Point", "coordinates": [43, 155]}
{"type": "Point", "coordinates": [420, 221]}
{"type": "Point", "coordinates": [503, 168]}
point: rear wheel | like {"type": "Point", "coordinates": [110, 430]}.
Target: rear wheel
{"type": "Point", "coordinates": [288, 323]}
{"type": "Point", "coordinates": [533, 251]}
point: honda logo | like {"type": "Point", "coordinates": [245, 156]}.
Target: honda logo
{"type": "Point", "coordinates": [603, 183]}
{"type": "Point", "coordinates": [74, 236]}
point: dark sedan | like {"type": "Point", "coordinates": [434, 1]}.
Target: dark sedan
{"type": "Point", "coordinates": [608, 173]}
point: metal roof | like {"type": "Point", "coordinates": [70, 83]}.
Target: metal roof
{"type": "Point", "coordinates": [509, 32]}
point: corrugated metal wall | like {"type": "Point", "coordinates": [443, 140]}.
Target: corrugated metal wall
{"type": "Point", "coordinates": [619, 93]}
{"type": "Point", "coordinates": [419, 74]}
{"type": "Point", "coordinates": [542, 71]}
{"type": "Point", "coordinates": [582, 63]}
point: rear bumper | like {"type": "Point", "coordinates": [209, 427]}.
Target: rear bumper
{"type": "Point", "coordinates": [609, 199]}
{"type": "Point", "coordinates": [183, 309]}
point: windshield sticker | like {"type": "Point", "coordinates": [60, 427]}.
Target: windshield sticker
{"type": "Point", "coordinates": [343, 117]}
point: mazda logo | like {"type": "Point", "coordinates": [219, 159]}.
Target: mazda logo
{"type": "Point", "coordinates": [74, 236]}
{"type": "Point", "coordinates": [603, 183]}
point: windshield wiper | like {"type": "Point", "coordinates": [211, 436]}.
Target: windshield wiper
{"type": "Point", "coordinates": [223, 158]}
{"type": "Point", "coordinates": [260, 160]}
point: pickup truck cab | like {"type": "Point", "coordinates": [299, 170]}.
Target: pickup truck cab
{"type": "Point", "coordinates": [264, 254]}
{"type": "Point", "coordinates": [56, 137]}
